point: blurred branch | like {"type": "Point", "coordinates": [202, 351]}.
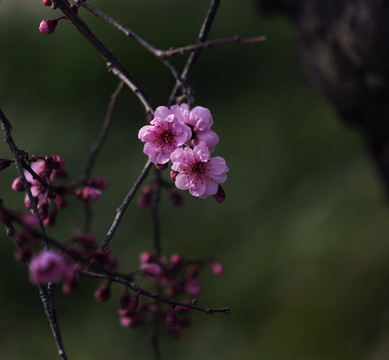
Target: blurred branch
{"type": "Point", "coordinates": [114, 65]}
{"type": "Point", "coordinates": [129, 33]}
{"type": "Point", "coordinates": [193, 57]}
{"type": "Point", "coordinates": [210, 43]}
{"type": "Point", "coordinates": [95, 148]}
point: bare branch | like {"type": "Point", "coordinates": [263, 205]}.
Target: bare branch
{"type": "Point", "coordinates": [210, 43]}
{"type": "Point", "coordinates": [114, 65]}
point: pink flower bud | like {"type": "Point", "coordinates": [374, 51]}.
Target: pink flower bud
{"type": "Point", "coordinates": [124, 299]}
{"type": "Point", "coordinates": [30, 220]}
{"type": "Point", "coordinates": [47, 2]}
{"type": "Point", "coordinates": [175, 259]}
{"type": "Point", "coordinates": [105, 259]}
{"type": "Point", "coordinates": [22, 255]}
{"type": "Point", "coordinates": [88, 194]}
{"type": "Point", "coordinates": [193, 287]}
{"type": "Point", "coordinates": [220, 194]}
{"type": "Point", "coordinates": [173, 174]}
{"type": "Point", "coordinates": [48, 26]}
{"type": "Point", "coordinates": [88, 241]}
{"type": "Point", "coordinates": [4, 163]}
{"type": "Point", "coordinates": [61, 202]}
{"type": "Point", "coordinates": [176, 198]}
{"type": "Point", "coordinates": [103, 292]}
{"type": "Point", "coordinates": [161, 167]}
{"type": "Point", "coordinates": [98, 183]}
{"type": "Point", "coordinates": [152, 271]}
{"type": "Point", "coordinates": [133, 303]}
{"type": "Point", "coordinates": [217, 268]}
{"type": "Point", "coordinates": [145, 257]}
{"type": "Point", "coordinates": [17, 185]}
{"type": "Point", "coordinates": [171, 319]}
{"type": "Point", "coordinates": [47, 266]}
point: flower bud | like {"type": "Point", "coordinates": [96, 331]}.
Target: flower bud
{"type": "Point", "coordinates": [103, 292]}
{"type": "Point", "coordinates": [193, 287]}
{"type": "Point", "coordinates": [98, 183]}
{"type": "Point", "coordinates": [124, 299]}
{"type": "Point", "coordinates": [217, 268]}
{"type": "Point", "coordinates": [47, 2]}
{"type": "Point", "coordinates": [170, 319]}
{"type": "Point", "coordinates": [61, 202]}
{"type": "Point", "coordinates": [176, 198]}
{"type": "Point", "coordinates": [152, 271]}
{"type": "Point", "coordinates": [220, 194]}
{"type": "Point", "coordinates": [47, 26]}
{"type": "Point", "coordinates": [161, 167]}
{"type": "Point", "coordinates": [88, 194]}
{"type": "Point", "coordinates": [4, 163]}
{"type": "Point", "coordinates": [173, 174]}
{"type": "Point", "coordinates": [22, 255]}
{"type": "Point", "coordinates": [17, 185]}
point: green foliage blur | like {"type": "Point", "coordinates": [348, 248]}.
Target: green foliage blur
{"type": "Point", "coordinates": [303, 232]}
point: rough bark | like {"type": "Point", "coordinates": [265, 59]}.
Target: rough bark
{"type": "Point", "coordinates": [345, 50]}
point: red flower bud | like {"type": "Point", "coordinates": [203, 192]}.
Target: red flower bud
{"type": "Point", "coordinates": [48, 26]}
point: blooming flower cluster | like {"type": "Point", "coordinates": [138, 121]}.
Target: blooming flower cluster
{"type": "Point", "coordinates": [185, 138]}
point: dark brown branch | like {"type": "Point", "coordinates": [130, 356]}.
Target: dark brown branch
{"type": "Point", "coordinates": [114, 65]}
{"type": "Point", "coordinates": [210, 43]}
{"type": "Point", "coordinates": [193, 57]}
{"type": "Point", "coordinates": [120, 280]}
{"type": "Point", "coordinates": [18, 155]}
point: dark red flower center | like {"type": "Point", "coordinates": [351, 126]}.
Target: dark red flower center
{"type": "Point", "coordinates": [198, 168]}
{"type": "Point", "coordinates": [167, 137]}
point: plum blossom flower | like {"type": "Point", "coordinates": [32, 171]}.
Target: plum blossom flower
{"type": "Point", "coordinates": [48, 266]}
{"type": "Point", "coordinates": [199, 119]}
{"type": "Point", "coordinates": [198, 172]}
{"type": "Point", "coordinates": [165, 134]}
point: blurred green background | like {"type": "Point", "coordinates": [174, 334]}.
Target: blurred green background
{"type": "Point", "coordinates": [303, 230]}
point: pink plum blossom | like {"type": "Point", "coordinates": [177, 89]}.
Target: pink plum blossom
{"type": "Point", "coordinates": [199, 119]}
{"type": "Point", "coordinates": [198, 172]}
{"type": "Point", "coordinates": [48, 266]}
{"type": "Point", "coordinates": [165, 134]}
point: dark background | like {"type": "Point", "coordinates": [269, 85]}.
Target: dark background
{"type": "Point", "coordinates": [303, 230]}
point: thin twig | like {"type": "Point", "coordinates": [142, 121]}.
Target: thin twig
{"type": "Point", "coordinates": [114, 65]}
{"type": "Point", "coordinates": [203, 34]}
{"type": "Point", "coordinates": [17, 155]}
{"type": "Point", "coordinates": [136, 288]}
{"type": "Point", "coordinates": [129, 33]}
{"type": "Point", "coordinates": [121, 210]}
{"type": "Point", "coordinates": [95, 148]}
{"type": "Point", "coordinates": [210, 43]}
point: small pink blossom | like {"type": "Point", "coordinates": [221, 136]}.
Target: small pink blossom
{"type": "Point", "coordinates": [199, 119]}
{"type": "Point", "coordinates": [198, 172]}
{"type": "Point", "coordinates": [217, 268]}
{"type": "Point", "coordinates": [165, 134]}
{"type": "Point", "coordinates": [48, 266]}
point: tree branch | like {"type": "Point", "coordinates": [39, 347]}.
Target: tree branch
{"type": "Point", "coordinates": [113, 64]}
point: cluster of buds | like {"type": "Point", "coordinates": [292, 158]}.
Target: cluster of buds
{"type": "Point", "coordinates": [40, 177]}
{"type": "Point", "coordinates": [176, 276]}
{"type": "Point", "coordinates": [185, 138]}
